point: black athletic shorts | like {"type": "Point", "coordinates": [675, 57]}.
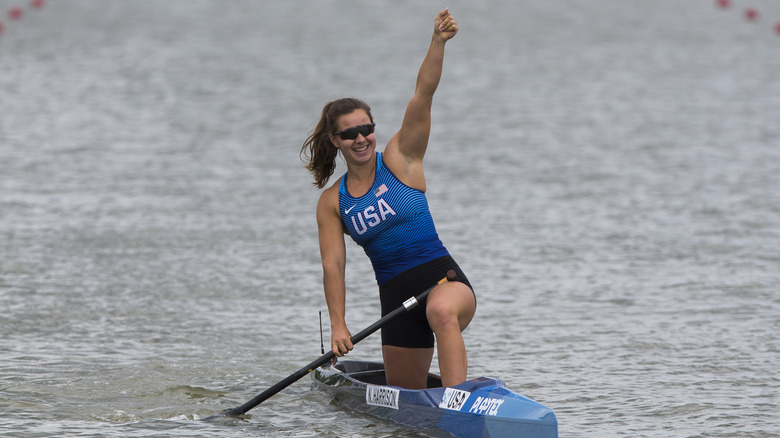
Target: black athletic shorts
{"type": "Point", "coordinates": [411, 328]}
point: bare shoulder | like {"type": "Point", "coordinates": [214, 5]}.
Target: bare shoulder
{"type": "Point", "coordinates": [408, 169]}
{"type": "Point", "coordinates": [392, 156]}
{"type": "Point", "coordinates": [328, 205]}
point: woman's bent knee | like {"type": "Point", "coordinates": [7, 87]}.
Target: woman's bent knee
{"type": "Point", "coordinates": [449, 305]}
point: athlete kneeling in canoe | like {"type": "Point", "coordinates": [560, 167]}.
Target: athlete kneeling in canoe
{"type": "Point", "coordinates": [380, 202]}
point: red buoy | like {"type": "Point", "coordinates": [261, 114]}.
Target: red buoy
{"type": "Point", "coordinates": [724, 3]}
{"type": "Point", "coordinates": [777, 27]}
{"type": "Point", "coordinates": [1, 27]}
{"type": "Point", "coordinates": [15, 13]}
{"type": "Point", "coordinates": [37, 4]}
{"type": "Point", "coordinates": [751, 14]}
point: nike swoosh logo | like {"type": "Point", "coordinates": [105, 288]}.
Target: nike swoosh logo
{"type": "Point", "coordinates": [348, 210]}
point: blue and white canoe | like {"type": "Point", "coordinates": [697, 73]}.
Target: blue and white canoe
{"type": "Point", "coordinates": [479, 407]}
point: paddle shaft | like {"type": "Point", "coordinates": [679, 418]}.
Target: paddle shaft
{"type": "Point", "coordinates": [408, 305]}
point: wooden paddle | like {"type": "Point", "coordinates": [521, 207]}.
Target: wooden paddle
{"type": "Point", "coordinates": [408, 305]}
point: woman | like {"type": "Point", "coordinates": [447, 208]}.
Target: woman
{"type": "Point", "coordinates": [380, 202]}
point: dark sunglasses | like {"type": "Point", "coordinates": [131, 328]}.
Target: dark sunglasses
{"type": "Point", "coordinates": [352, 133]}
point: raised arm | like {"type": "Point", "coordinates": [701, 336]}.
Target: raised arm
{"type": "Point", "coordinates": [407, 148]}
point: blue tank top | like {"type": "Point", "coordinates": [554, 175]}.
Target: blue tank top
{"type": "Point", "coordinates": [392, 222]}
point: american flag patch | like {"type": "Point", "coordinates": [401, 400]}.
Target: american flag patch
{"type": "Point", "coordinates": [380, 190]}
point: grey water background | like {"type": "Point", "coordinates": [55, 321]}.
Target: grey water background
{"type": "Point", "coordinates": [607, 172]}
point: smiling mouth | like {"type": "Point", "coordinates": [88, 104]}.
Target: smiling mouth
{"type": "Point", "coordinates": [363, 149]}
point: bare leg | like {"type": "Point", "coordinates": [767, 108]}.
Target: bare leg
{"type": "Point", "coordinates": [407, 367]}
{"type": "Point", "coordinates": [450, 308]}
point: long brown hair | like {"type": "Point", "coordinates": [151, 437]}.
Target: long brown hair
{"type": "Point", "coordinates": [318, 152]}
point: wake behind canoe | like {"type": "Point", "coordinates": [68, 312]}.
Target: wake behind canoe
{"type": "Point", "coordinates": [479, 407]}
